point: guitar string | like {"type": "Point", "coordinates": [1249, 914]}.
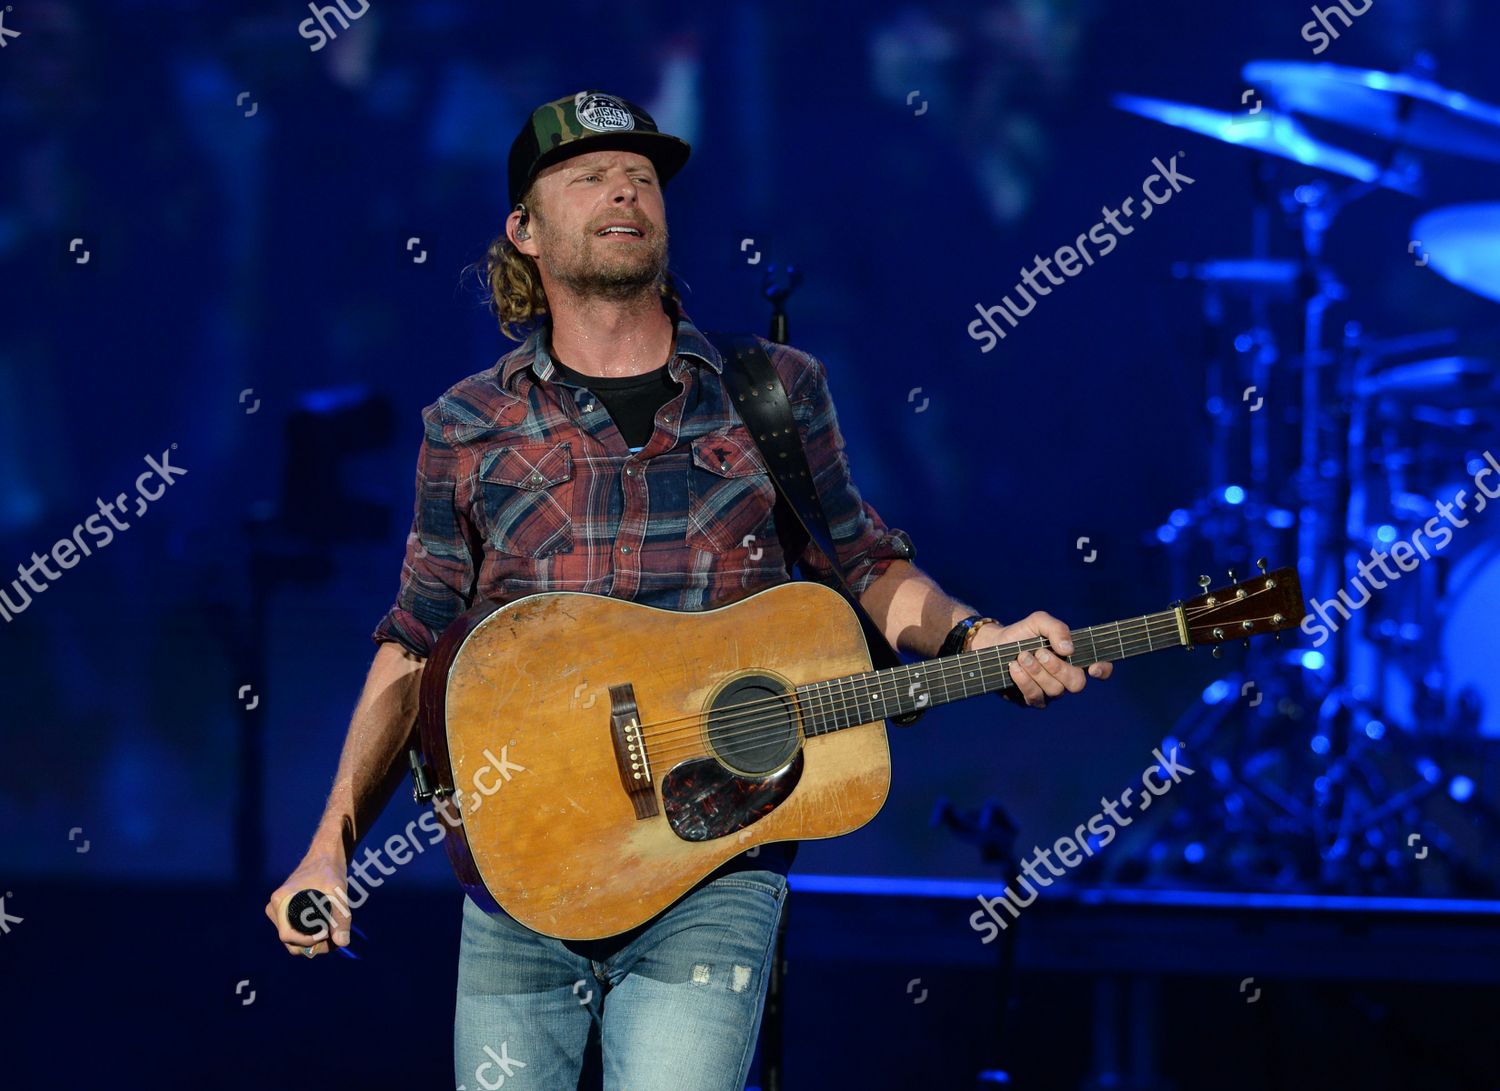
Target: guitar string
{"type": "Point", "coordinates": [841, 702]}
{"type": "Point", "coordinates": [943, 666]}
{"type": "Point", "coordinates": [1131, 629]}
{"type": "Point", "coordinates": [662, 748]}
{"type": "Point", "coordinates": [830, 708]}
{"type": "Point", "coordinates": [949, 669]}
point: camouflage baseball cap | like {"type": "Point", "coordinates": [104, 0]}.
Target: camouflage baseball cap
{"type": "Point", "coordinates": [589, 121]}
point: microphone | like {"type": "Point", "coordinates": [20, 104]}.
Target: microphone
{"type": "Point", "coordinates": [311, 912]}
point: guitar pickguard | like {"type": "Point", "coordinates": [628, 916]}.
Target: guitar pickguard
{"type": "Point", "coordinates": [703, 800]}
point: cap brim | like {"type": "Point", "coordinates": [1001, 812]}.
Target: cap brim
{"type": "Point", "coordinates": [667, 153]}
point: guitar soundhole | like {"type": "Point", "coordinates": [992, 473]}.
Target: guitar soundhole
{"type": "Point", "coordinates": [751, 726]}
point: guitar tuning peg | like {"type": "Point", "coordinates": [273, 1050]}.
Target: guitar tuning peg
{"type": "Point", "coordinates": [1204, 581]}
{"type": "Point", "coordinates": [1218, 652]}
{"type": "Point", "coordinates": [1231, 575]}
{"type": "Point", "coordinates": [1261, 564]}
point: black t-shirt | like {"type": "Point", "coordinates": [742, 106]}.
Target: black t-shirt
{"type": "Point", "coordinates": [632, 401]}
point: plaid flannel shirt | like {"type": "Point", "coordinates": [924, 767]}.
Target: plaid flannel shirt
{"type": "Point", "coordinates": [524, 484]}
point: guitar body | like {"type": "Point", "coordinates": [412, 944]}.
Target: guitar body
{"type": "Point", "coordinates": [537, 713]}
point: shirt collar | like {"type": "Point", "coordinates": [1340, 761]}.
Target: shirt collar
{"type": "Point", "coordinates": [533, 352]}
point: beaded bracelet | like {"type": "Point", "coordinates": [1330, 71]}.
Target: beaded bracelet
{"type": "Point", "coordinates": [969, 637]}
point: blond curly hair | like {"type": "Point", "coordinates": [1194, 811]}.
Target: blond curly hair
{"type": "Point", "coordinates": [514, 285]}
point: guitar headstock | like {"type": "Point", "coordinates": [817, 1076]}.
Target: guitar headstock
{"type": "Point", "coordinates": [1268, 603]}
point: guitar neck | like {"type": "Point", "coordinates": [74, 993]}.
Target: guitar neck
{"type": "Point", "coordinates": [838, 703]}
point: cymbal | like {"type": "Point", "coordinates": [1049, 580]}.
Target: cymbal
{"type": "Point", "coordinates": [1400, 108]}
{"type": "Point", "coordinates": [1447, 380]}
{"type": "Point", "coordinates": [1267, 132]}
{"type": "Point", "coordinates": [1462, 244]}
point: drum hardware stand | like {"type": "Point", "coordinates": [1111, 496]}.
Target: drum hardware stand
{"type": "Point", "coordinates": [1304, 820]}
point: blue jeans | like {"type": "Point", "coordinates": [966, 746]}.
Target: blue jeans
{"type": "Point", "coordinates": [676, 1003]}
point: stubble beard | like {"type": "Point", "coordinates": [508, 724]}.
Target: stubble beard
{"type": "Point", "coordinates": [617, 278]}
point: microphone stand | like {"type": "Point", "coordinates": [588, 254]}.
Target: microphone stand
{"type": "Point", "coordinates": [773, 1040]}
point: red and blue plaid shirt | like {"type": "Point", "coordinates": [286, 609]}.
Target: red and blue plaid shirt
{"type": "Point", "coordinates": [524, 484]}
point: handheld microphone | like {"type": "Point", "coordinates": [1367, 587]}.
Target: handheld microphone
{"type": "Point", "coordinates": [311, 912]}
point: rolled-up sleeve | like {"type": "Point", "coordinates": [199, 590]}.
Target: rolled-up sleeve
{"type": "Point", "coordinates": [866, 547]}
{"type": "Point", "coordinates": [439, 574]}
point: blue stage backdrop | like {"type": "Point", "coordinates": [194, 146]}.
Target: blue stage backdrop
{"type": "Point", "coordinates": [267, 226]}
{"type": "Point", "coordinates": [238, 260]}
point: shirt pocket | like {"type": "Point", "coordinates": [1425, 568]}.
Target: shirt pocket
{"type": "Point", "coordinates": [730, 493]}
{"type": "Point", "coordinates": [526, 491]}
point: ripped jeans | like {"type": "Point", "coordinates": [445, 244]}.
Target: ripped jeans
{"type": "Point", "coordinates": [675, 1003]}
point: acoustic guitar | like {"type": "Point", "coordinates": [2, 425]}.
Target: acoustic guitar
{"type": "Point", "coordinates": [594, 758]}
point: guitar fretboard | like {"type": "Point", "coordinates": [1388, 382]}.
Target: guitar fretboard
{"type": "Point", "coordinates": [837, 703]}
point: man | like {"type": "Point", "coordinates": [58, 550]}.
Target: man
{"type": "Point", "coordinates": [624, 471]}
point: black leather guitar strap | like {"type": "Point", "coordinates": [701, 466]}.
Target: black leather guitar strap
{"type": "Point", "coordinates": [761, 400]}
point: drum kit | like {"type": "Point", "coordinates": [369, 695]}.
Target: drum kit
{"type": "Point", "coordinates": [1339, 764]}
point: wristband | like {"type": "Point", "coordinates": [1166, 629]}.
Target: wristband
{"type": "Point", "coordinates": [954, 641]}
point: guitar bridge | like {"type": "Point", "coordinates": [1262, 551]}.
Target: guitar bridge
{"type": "Point", "coordinates": [630, 750]}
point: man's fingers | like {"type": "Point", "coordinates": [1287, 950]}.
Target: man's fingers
{"type": "Point", "coordinates": [294, 936]}
{"type": "Point", "coordinates": [1058, 669]}
{"type": "Point", "coordinates": [1057, 634]}
{"type": "Point", "coordinates": [341, 920]}
{"type": "Point", "coordinates": [1046, 673]}
{"type": "Point", "coordinates": [1046, 669]}
{"type": "Point", "coordinates": [1028, 687]}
